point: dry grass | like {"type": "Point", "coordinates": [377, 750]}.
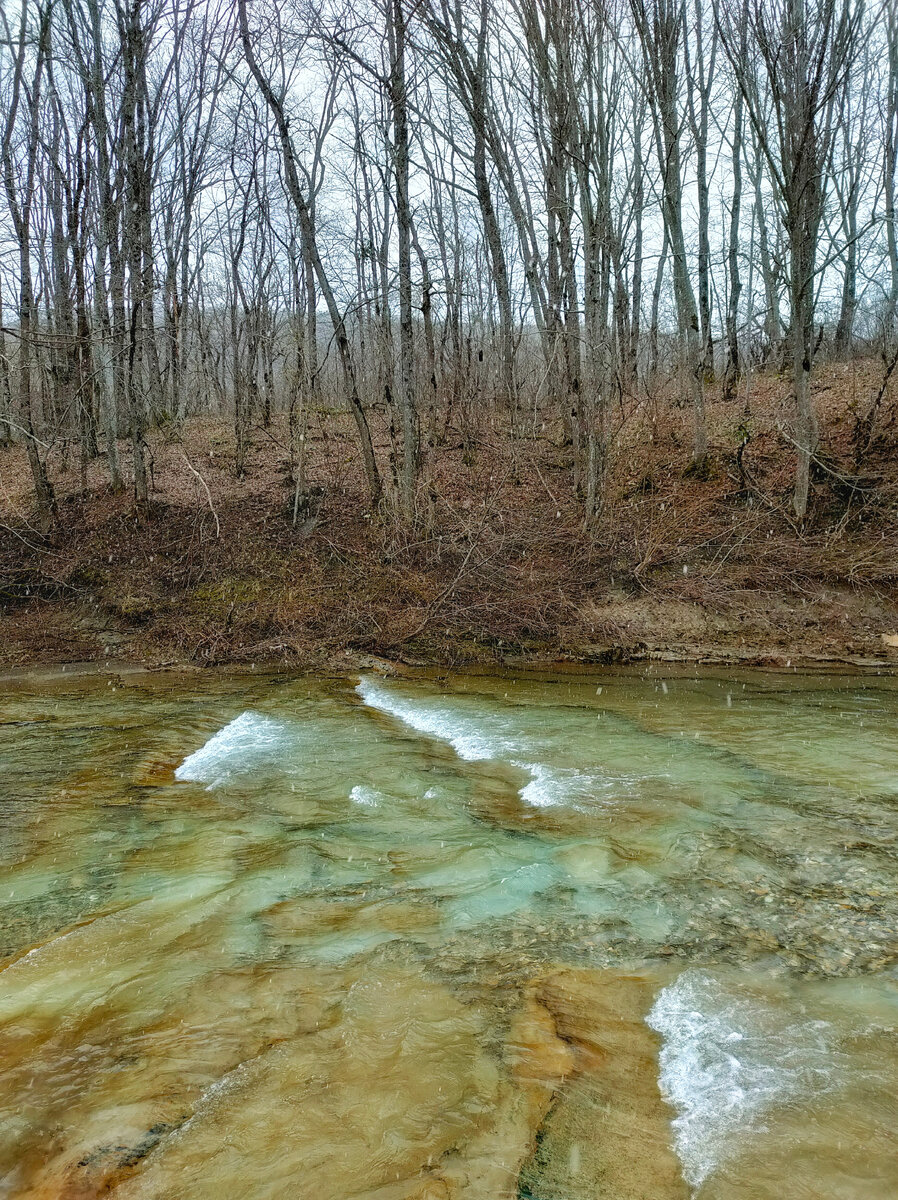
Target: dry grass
{"type": "Point", "coordinates": [708, 563]}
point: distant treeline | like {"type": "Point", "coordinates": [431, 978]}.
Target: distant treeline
{"type": "Point", "coordinates": [275, 205]}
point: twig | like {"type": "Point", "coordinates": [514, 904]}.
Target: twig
{"type": "Point", "coordinates": [208, 493]}
{"type": "Point", "coordinates": [865, 424]}
{"type": "Point", "coordinates": [554, 499]}
{"type": "Point", "coordinates": [846, 479]}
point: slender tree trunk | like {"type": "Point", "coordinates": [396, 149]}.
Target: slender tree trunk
{"type": "Point", "coordinates": [636, 289]}
{"type": "Point", "coordinates": [731, 377]}
{"type": "Point", "coordinates": [132, 44]}
{"type": "Point", "coordinates": [20, 195]}
{"type": "Point", "coordinates": [773, 324]}
{"type": "Point", "coordinates": [407, 406]}
{"type": "Point", "coordinates": [656, 305]}
{"type": "Point", "coordinates": [104, 357]}
{"type": "Point", "coordinates": [845, 328]}
{"type": "Point", "coordinates": [308, 232]}
{"type": "Point", "coordinates": [660, 36]}
{"type": "Point", "coordinates": [890, 165]}
{"type": "Point", "coordinates": [700, 82]}
{"type": "Point", "coordinates": [6, 436]}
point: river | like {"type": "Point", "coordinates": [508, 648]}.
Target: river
{"type": "Point", "coordinates": [624, 935]}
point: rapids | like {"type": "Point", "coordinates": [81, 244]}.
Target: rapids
{"type": "Point", "coordinates": [617, 936]}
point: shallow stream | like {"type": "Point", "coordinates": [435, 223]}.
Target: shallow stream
{"type": "Point", "coordinates": [619, 936]}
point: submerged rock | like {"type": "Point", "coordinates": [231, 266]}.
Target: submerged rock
{"type": "Point", "coordinates": [608, 1135]}
{"type": "Point", "coordinates": [366, 1107]}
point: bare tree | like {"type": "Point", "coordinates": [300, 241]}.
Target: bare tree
{"type": "Point", "coordinates": [890, 163]}
{"type": "Point", "coordinates": [734, 280]}
{"type": "Point", "coordinates": [850, 169]}
{"type": "Point", "coordinates": [463, 46]}
{"type": "Point", "coordinates": [701, 65]}
{"type": "Point", "coordinates": [297, 196]}
{"type": "Point", "coordinates": [660, 27]}
{"type": "Point", "coordinates": [397, 39]}
{"type": "Point", "coordinates": [799, 54]}
{"type": "Point", "coordinates": [20, 181]}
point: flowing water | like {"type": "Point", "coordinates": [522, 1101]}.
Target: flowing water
{"type": "Point", "coordinates": [617, 936]}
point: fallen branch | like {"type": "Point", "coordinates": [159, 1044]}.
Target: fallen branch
{"type": "Point", "coordinates": [208, 494]}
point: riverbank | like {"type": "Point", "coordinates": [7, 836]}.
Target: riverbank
{"type": "Point", "coordinates": [843, 629]}
{"type": "Point", "coordinates": [314, 620]}
{"type": "Point", "coordinates": [684, 566]}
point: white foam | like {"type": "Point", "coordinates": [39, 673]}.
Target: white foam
{"type": "Point", "coordinates": [481, 737]}
{"type": "Point", "coordinates": [464, 733]}
{"type": "Point", "coordinates": [364, 795]}
{"type": "Point", "coordinates": [233, 749]}
{"type": "Point", "coordinates": [726, 1061]}
{"type": "Point", "coordinates": [551, 786]}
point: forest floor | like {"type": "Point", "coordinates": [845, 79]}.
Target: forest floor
{"type": "Point", "coordinates": [684, 566]}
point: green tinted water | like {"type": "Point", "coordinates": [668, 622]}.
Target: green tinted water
{"type": "Point", "coordinates": [619, 936]}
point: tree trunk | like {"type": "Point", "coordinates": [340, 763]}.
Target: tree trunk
{"type": "Point", "coordinates": [407, 407]}
{"type": "Point", "coordinates": [731, 377]}
{"type": "Point", "coordinates": [308, 233]}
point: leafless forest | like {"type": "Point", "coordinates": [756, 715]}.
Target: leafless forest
{"type": "Point", "coordinates": [389, 242]}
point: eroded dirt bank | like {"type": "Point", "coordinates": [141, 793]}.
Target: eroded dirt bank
{"type": "Point", "coordinates": [846, 629]}
{"type": "Point", "coordinates": [155, 588]}
{"type": "Point", "coordinates": [683, 565]}
{"type": "Point", "coordinates": [234, 622]}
